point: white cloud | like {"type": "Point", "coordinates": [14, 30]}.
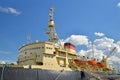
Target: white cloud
{"type": "Point", "coordinates": [82, 53]}
{"type": "Point", "coordinates": [9, 10]}
{"type": "Point", "coordinates": [104, 43]}
{"type": "Point", "coordinates": [4, 52]}
{"type": "Point", "coordinates": [77, 40]}
{"type": "Point", "coordinates": [99, 34]}
{"type": "Point", "coordinates": [2, 62]}
{"type": "Point", "coordinates": [7, 61]}
{"type": "Point", "coordinates": [118, 43]}
{"type": "Point", "coordinates": [118, 4]}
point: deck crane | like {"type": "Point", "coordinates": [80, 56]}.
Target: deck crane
{"type": "Point", "coordinates": [111, 52]}
{"type": "Point", "coordinates": [104, 60]}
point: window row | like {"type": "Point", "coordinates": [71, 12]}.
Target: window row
{"type": "Point", "coordinates": [49, 56]}
{"type": "Point", "coordinates": [49, 48]}
{"type": "Point", "coordinates": [37, 56]}
{"type": "Point", "coordinates": [34, 48]}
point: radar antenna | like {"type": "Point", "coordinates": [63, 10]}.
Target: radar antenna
{"type": "Point", "coordinates": [28, 38]}
{"type": "Point", "coordinates": [51, 13]}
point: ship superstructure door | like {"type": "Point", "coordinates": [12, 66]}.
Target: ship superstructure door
{"type": "Point", "coordinates": [62, 62]}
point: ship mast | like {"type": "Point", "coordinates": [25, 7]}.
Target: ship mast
{"type": "Point", "coordinates": [52, 33]}
{"type": "Point", "coordinates": [93, 50]}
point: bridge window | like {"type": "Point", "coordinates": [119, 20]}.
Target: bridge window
{"type": "Point", "coordinates": [25, 53]}
{"type": "Point", "coordinates": [39, 63]}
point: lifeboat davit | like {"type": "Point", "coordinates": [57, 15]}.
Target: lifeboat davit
{"type": "Point", "coordinates": [92, 62]}
{"type": "Point", "coordinates": [80, 62]}
{"type": "Point", "coordinates": [100, 64]}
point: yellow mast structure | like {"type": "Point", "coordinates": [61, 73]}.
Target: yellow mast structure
{"type": "Point", "coordinates": [52, 33]}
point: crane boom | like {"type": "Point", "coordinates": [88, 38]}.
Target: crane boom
{"type": "Point", "coordinates": [111, 52]}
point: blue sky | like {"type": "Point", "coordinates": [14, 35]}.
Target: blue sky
{"type": "Point", "coordinates": [18, 18]}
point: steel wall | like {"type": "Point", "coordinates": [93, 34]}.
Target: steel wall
{"type": "Point", "coordinates": [38, 74]}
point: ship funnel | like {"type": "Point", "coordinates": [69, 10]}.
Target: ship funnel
{"type": "Point", "coordinates": [69, 47]}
